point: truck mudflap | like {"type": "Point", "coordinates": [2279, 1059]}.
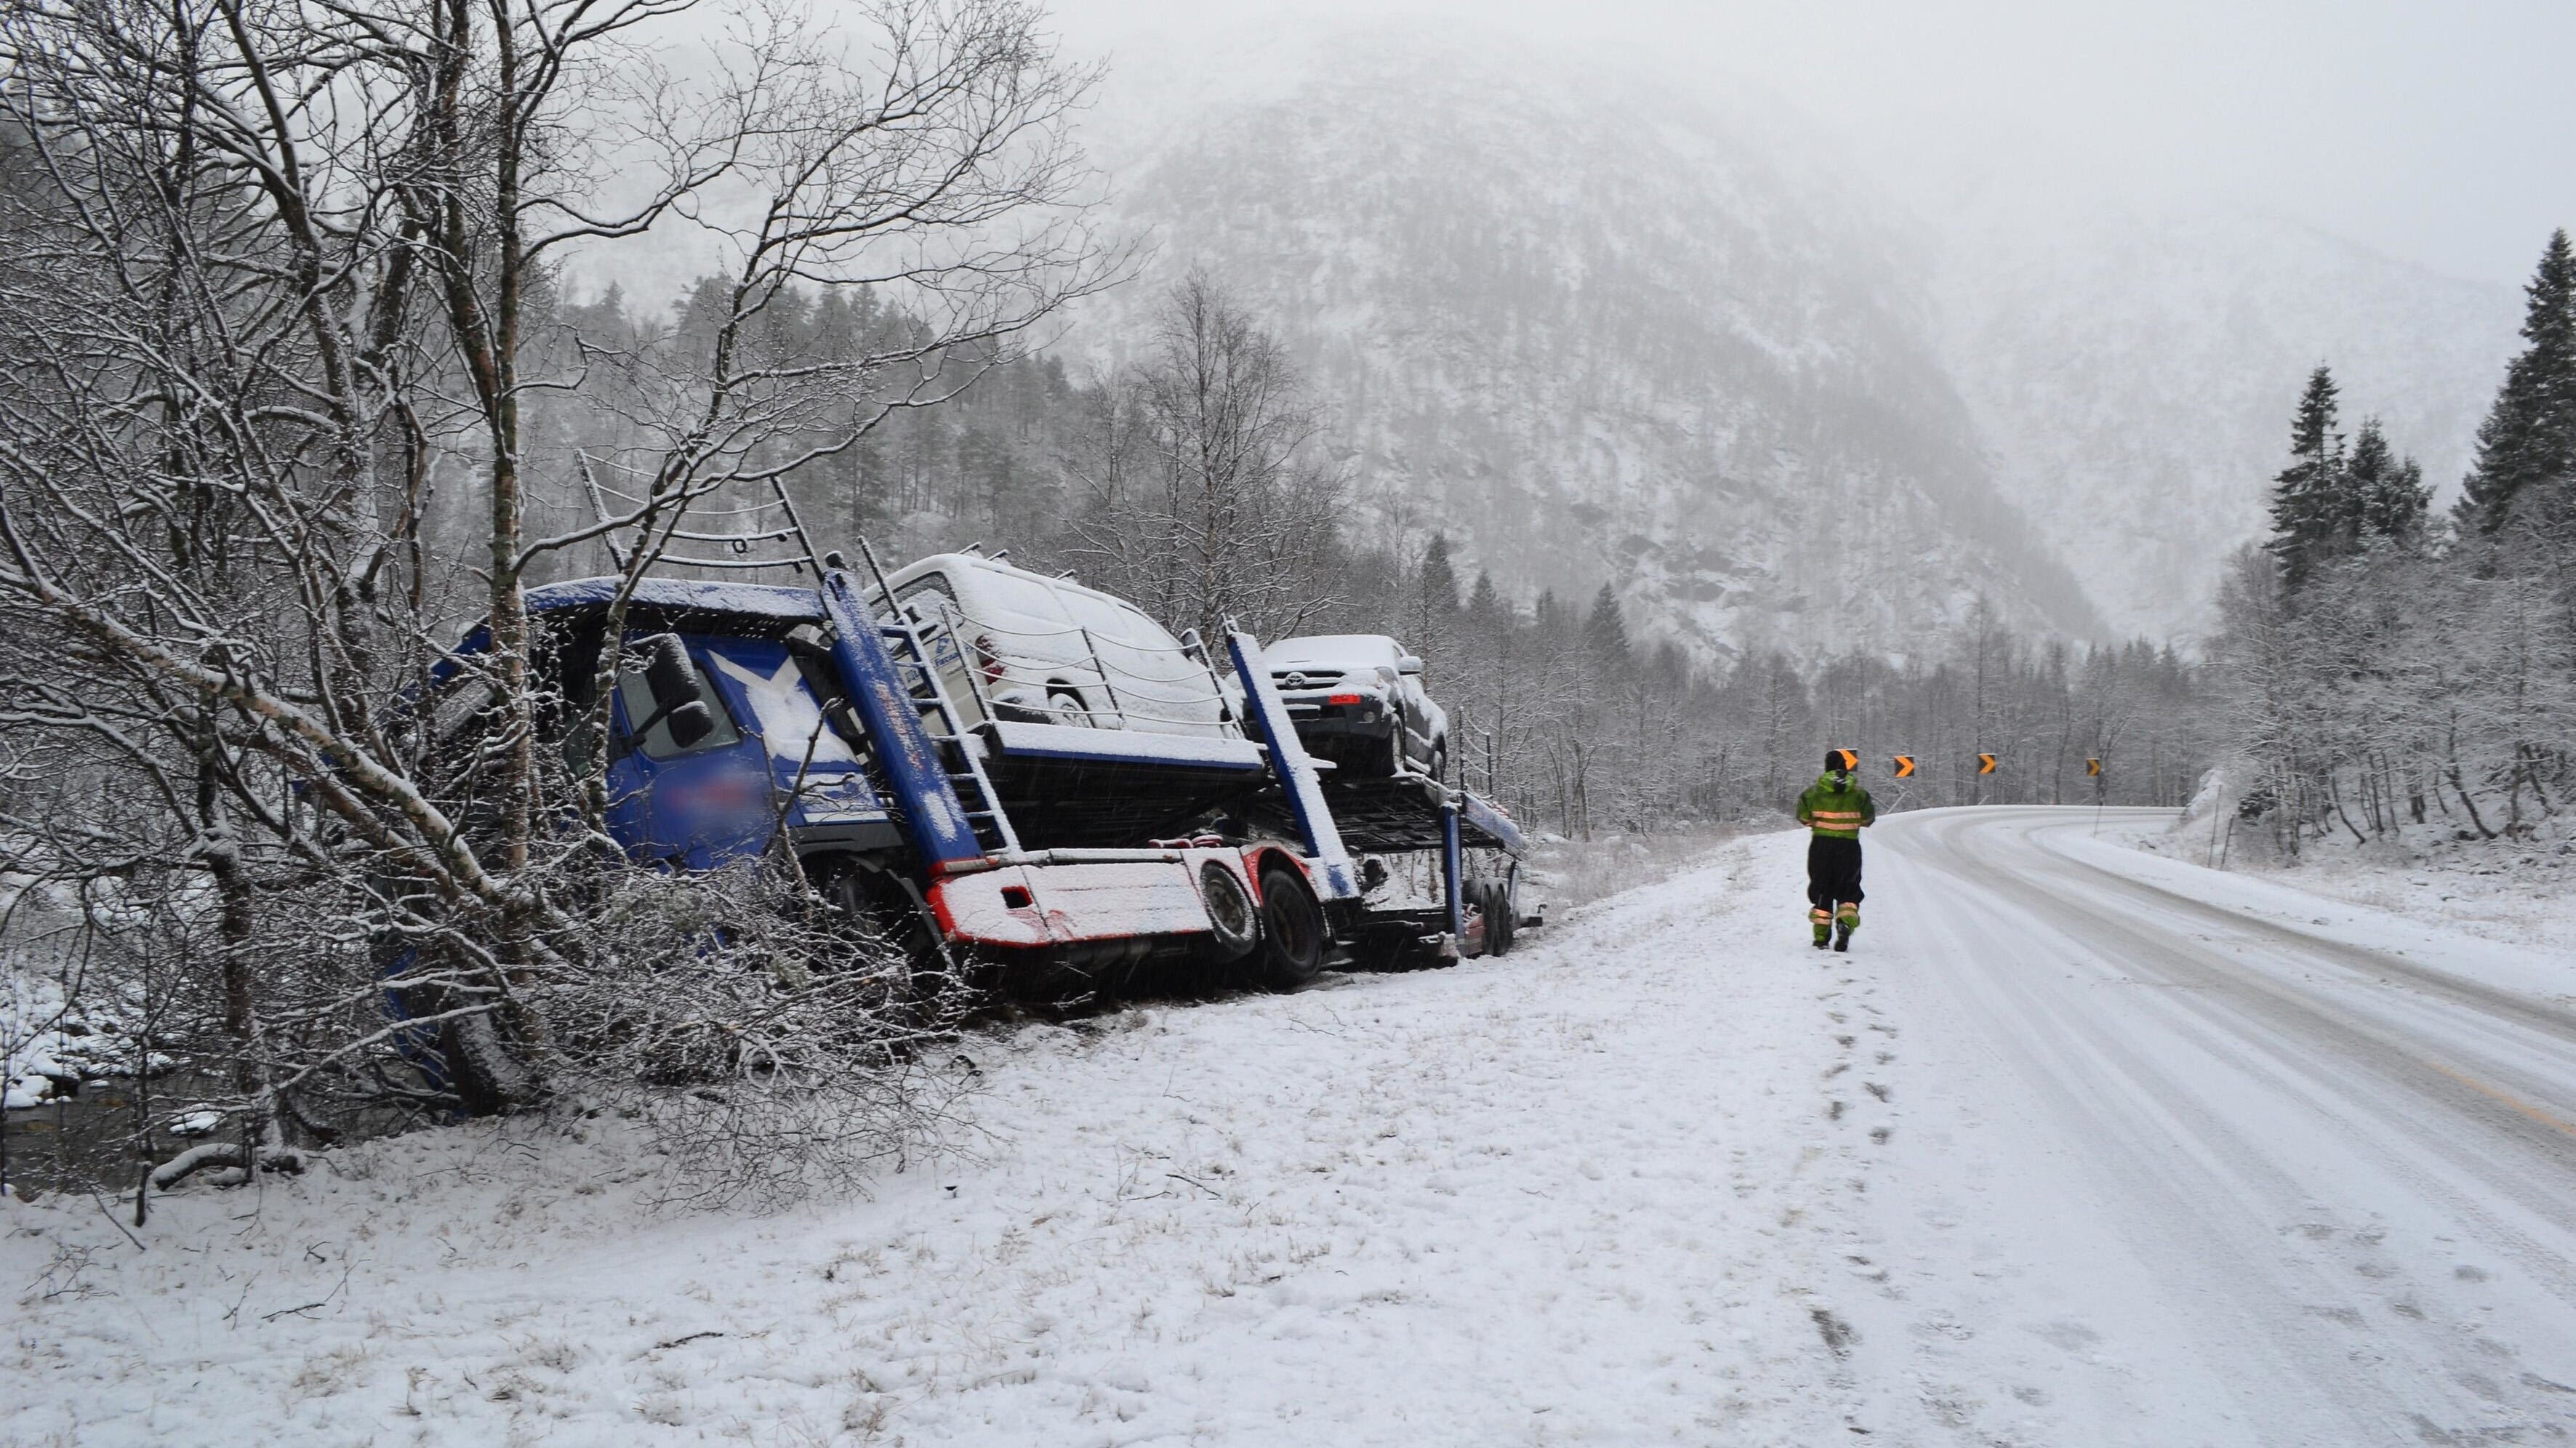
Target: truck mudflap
{"type": "Point", "coordinates": [1028, 906]}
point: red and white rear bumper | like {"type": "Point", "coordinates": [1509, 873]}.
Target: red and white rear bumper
{"type": "Point", "coordinates": [1062, 897]}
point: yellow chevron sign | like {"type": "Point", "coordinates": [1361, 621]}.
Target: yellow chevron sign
{"type": "Point", "coordinates": [1849, 759]}
{"type": "Point", "coordinates": [1985, 764]}
{"type": "Point", "coordinates": [2093, 766]}
{"type": "Point", "coordinates": [1905, 766]}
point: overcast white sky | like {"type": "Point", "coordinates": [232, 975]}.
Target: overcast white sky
{"type": "Point", "coordinates": [2444, 134]}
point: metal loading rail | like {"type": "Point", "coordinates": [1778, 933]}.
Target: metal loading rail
{"type": "Point", "coordinates": [1400, 813]}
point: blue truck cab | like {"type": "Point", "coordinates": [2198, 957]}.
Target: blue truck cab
{"type": "Point", "coordinates": [762, 756]}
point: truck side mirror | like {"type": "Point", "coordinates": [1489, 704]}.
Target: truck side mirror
{"type": "Point", "coordinates": [1409, 664]}
{"type": "Point", "coordinates": [673, 683]}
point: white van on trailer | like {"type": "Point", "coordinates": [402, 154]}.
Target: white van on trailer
{"type": "Point", "coordinates": [1021, 647]}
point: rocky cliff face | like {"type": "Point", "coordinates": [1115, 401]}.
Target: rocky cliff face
{"type": "Point", "coordinates": [1594, 331]}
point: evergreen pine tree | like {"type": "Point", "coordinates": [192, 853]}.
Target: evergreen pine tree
{"type": "Point", "coordinates": [1605, 633]}
{"type": "Point", "coordinates": [2306, 507]}
{"type": "Point", "coordinates": [1547, 615]}
{"type": "Point", "coordinates": [2528, 440]}
{"type": "Point", "coordinates": [1437, 584]}
{"type": "Point", "coordinates": [1484, 604]}
{"type": "Point", "coordinates": [1432, 621]}
{"type": "Point", "coordinates": [2383, 496]}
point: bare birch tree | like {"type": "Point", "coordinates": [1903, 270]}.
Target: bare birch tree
{"type": "Point", "coordinates": [270, 270]}
{"type": "Point", "coordinates": [1202, 497]}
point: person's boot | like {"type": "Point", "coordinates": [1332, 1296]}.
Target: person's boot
{"type": "Point", "coordinates": [1846, 920]}
{"type": "Point", "coordinates": [1824, 923]}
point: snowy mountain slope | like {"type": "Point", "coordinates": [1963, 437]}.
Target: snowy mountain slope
{"type": "Point", "coordinates": [2134, 378]}
{"type": "Point", "coordinates": [1592, 329]}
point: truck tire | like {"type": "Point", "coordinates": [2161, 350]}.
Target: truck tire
{"type": "Point", "coordinates": [483, 1070]}
{"type": "Point", "coordinates": [881, 917]}
{"type": "Point", "coordinates": [1499, 923]}
{"type": "Point", "coordinates": [1292, 931]}
{"type": "Point", "coordinates": [471, 1058]}
{"type": "Point", "coordinates": [1234, 921]}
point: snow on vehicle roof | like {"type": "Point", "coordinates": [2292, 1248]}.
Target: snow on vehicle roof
{"type": "Point", "coordinates": [767, 600]}
{"type": "Point", "coordinates": [1334, 649]}
{"type": "Point", "coordinates": [920, 566]}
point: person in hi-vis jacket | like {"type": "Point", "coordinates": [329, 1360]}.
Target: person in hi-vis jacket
{"type": "Point", "coordinates": [1837, 809]}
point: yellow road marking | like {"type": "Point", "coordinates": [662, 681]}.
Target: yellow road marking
{"type": "Point", "coordinates": [2483, 1089]}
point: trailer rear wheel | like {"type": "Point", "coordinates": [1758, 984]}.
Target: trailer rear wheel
{"type": "Point", "coordinates": [1499, 923]}
{"type": "Point", "coordinates": [1235, 923]}
{"type": "Point", "coordinates": [1292, 931]}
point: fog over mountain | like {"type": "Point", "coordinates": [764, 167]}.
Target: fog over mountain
{"type": "Point", "coordinates": [1599, 329]}
{"type": "Point", "coordinates": [1595, 332]}
{"type": "Point", "coordinates": [2132, 378]}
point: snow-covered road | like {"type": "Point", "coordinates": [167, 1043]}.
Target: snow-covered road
{"type": "Point", "coordinates": [2266, 1168]}
{"type": "Point", "coordinates": [2080, 1145]}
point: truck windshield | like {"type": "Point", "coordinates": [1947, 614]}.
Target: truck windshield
{"type": "Point", "coordinates": [635, 697]}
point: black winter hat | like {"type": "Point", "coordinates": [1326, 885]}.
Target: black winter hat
{"type": "Point", "coordinates": [1841, 760]}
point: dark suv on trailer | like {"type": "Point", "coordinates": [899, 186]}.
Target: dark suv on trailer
{"type": "Point", "coordinates": [1357, 699]}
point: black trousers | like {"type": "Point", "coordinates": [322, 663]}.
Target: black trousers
{"type": "Point", "coordinates": [1833, 872]}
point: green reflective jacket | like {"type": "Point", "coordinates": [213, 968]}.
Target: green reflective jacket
{"type": "Point", "coordinates": [1838, 812]}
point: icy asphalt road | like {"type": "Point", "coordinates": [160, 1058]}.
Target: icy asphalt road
{"type": "Point", "coordinates": [2265, 1168]}
{"type": "Point", "coordinates": [2079, 1146]}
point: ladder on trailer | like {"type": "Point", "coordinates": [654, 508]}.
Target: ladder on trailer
{"type": "Point", "coordinates": [771, 537]}
{"type": "Point", "coordinates": [961, 754]}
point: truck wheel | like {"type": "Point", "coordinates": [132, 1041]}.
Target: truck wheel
{"type": "Point", "coordinates": [472, 1058]}
{"type": "Point", "coordinates": [485, 1073]}
{"type": "Point", "coordinates": [1292, 931]}
{"type": "Point", "coordinates": [1498, 918]}
{"type": "Point", "coordinates": [1236, 922]}
{"type": "Point", "coordinates": [880, 918]}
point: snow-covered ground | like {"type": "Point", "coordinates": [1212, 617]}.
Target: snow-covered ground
{"type": "Point", "coordinates": [2076, 1147]}
{"type": "Point", "coordinates": [1592, 1192]}
{"type": "Point", "coordinates": [2521, 892]}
